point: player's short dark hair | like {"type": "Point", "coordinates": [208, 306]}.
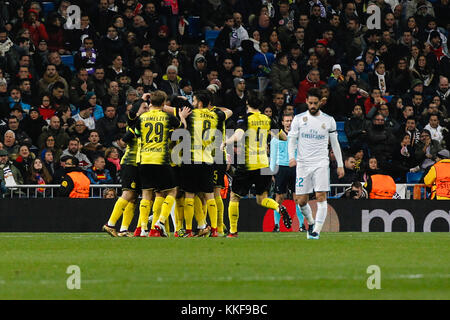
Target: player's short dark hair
{"type": "Point", "coordinates": [253, 100]}
{"type": "Point", "coordinates": [314, 92]}
{"type": "Point", "coordinates": [204, 96]}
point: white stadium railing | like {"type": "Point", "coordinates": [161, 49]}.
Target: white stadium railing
{"type": "Point", "coordinates": [96, 191]}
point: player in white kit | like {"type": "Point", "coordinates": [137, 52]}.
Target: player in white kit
{"type": "Point", "coordinates": [309, 136]}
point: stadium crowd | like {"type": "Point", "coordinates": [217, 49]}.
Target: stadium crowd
{"type": "Point", "coordinates": [388, 86]}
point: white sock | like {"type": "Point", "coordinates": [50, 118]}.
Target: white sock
{"type": "Point", "coordinates": [321, 215]}
{"type": "Point", "coordinates": [307, 212]}
{"type": "Point", "coordinates": [111, 224]}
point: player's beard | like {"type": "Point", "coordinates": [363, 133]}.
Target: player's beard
{"type": "Point", "coordinates": [313, 111]}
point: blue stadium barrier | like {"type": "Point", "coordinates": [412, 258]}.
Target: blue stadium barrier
{"type": "Point", "coordinates": [415, 177]}
{"type": "Point", "coordinates": [47, 7]}
{"type": "Point", "coordinates": [211, 36]}
{"type": "Point", "coordinates": [68, 61]}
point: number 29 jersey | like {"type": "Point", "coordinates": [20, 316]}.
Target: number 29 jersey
{"type": "Point", "coordinates": [154, 128]}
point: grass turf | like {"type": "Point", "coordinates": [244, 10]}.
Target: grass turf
{"type": "Point", "coordinates": [254, 266]}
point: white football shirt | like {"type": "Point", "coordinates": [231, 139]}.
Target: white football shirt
{"type": "Point", "coordinates": [310, 135]}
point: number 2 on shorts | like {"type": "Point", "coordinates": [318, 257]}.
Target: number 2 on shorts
{"type": "Point", "coordinates": [299, 182]}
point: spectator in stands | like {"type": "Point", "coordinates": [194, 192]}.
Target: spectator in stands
{"type": "Point", "coordinates": [199, 75]}
{"type": "Point", "coordinates": [54, 129]}
{"type": "Point", "coordinates": [79, 87]}
{"type": "Point", "coordinates": [62, 69]}
{"type": "Point", "coordinates": [24, 160]}
{"type": "Point", "coordinates": [86, 116]}
{"type": "Point", "coordinates": [49, 163]}
{"type": "Point", "coordinates": [100, 84]}
{"type": "Point", "coordinates": [435, 128]}
{"type": "Point", "coordinates": [38, 174]}
{"type": "Point", "coordinates": [410, 128]}
{"type": "Point", "coordinates": [98, 174]}
{"type": "Point", "coordinates": [373, 103]}
{"type": "Point", "coordinates": [403, 159]}
{"type": "Point", "coordinates": [50, 146]}
{"type": "Point", "coordinates": [350, 172]}
{"type": "Point", "coordinates": [356, 128]}
{"type": "Point", "coordinates": [426, 150]}
{"type": "Point", "coordinates": [109, 193]}
{"type": "Point", "coordinates": [9, 175]}
{"type": "Point", "coordinates": [36, 28]}
{"type": "Point", "coordinates": [443, 91]}
{"type": "Point", "coordinates": [15, 100]}
{"type": "Point", "coordinates": [117, 67]}
{"type": "Point", "coordinates": [90, 100]}
{"type": "Point", "coordinates": [10, 144]}
{"type": "Point", "coordinates": [55, 31]}
{"type": "Point", "coordinates": [49, 78]}
{"type": "Point", "coordinates": [113, 96]}
{"type": "Point", "coordinates": [312, 81]}
{"type": "Point", "coordinates": [80, 131]}
{"type": "Point", "coordinates": [112, 157]}
{"type": "Point", "coordinates": [64, 114]}
{"type": "Point", "coordinates": [74, 150]}
{"type": "Point", "coordinates": [356, 192]}
{"type": "Point", "coordinates": [86, 57]}
{"type": "Point", "coordinates": [236, 99]}
{"type": "Point", "coordinates": [21, 136]}
{"type": "Point", "coordinates": [380, 140]}
{"type": "Point", "coordinates": [107, 126]}
{"type": "Point", "coordinates": [33, 125]}
{"type": "Point", "coordinates": [93, 146]}
{"type": "Point", "coordinates": [170, 83]}
{"type": "Point", "coordinates": [262, 66]}
{"type": "Point", "coordinates": [380, 79]}
{"type": "Point", "coordinates": [400, 78]}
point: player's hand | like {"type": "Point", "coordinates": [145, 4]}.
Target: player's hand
{"type": "Point", "coordinates": [340, 172]}
{"type": "Point", "coordinates": [185, 112]}
{"type": "Point", "coordinates": [222, 146]}
{"type": "Point", "coordinates": [292, 163]}
{"type": "Point", "coordinates": [146, 97]}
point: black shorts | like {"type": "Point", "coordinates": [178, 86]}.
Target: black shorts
{"type": "Point", "coordinates": [244, 179]}
{"type": "Point", "coordinates": [285, 179]}
{"type": "Point", "coordinates": [130, 178]}
{"type": "Point", "coordinates": [197, 178]}
{"type": "Point", "coordinates": [219, 175]}
{"type": "Point", "coordinates": [177, 174]}
{"type": "Point", "coordinates": [157, 177]}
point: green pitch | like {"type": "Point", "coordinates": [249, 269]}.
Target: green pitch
{"type": "Point", "coordinates": [254, 266]}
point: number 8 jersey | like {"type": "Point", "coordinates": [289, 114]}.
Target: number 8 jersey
{"type": "Point", "coordinates": [154, 128]}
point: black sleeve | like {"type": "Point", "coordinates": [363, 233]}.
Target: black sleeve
{"type": "Point", "coordinates": [66, 187]}
{"type": "Point", "coordinates": [242, 123]}
{"type": "Point", "coordinates": [174, 122]}
{"type": "Point", "coordinates": [129, 135]}
{"type": "Point", "coordinates": [132, 115]}
{"type": "Point", "coordinates": [221, 115]}
{"type": "Point", "coordinates": [274, 125]}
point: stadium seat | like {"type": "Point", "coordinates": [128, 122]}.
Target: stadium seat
{"type": "Point", "coordinates": [414, 177]}
{"type": "Point", "coordinates": [211, 36]}
{"type": "Point", "coordinates": [68, 61]}
{"type": "Point", "coordinates": [47, 7]}
{"type": "Point", "coordinates": [342, 137]}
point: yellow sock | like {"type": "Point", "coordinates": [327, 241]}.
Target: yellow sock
{"type": "Point", "coordinates": [117, 212]}
{"type": "Point", "coordinates": [233, 215]}
{"type": "Point", "coordinates": [212, 212]}
{"type": "Point", "coordinates": [166, 208]}
{"type": "Point", "coordinates": [144, 212]}
{"type": "Point", "coordinates": [270, 203]}
{"type": "Point", "coordinates": [128, 214]}
{"type": "Point", "coordinates": [179, 214]}
{"type": "Point", "coordinates": [188, 212]}
{"type": "Point", "coordinates": [157, 210]}
{"type": "Point", "coordinates": [220, 210]}
{"type": "Point", "coordinates": [198, 212]}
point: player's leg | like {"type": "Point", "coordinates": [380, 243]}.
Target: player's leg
{"type": "Point", "coordinates": [157, 205]}
{"type": "Point", "coordinates": [166, 207]}
{"type": "Point", "coordinates": [279, 198]}
{"type": "Point", "coordinates": [117, 212]}
{"type": "Point", "coordinates": [233, 214]}
{"type": "Point", "coordinates": [291, 188]}
{"type": "Point", "coordinates": [189, 212]}
{"type": "Point", "coordinates": [220, 210]}
{"type": "Point", "coordinates": [322, 186]}
{"type": "Point", "coordinates": [128, 215]}
{"type": "Point", "coordinates": [303, 187]}
{"type": "Point", "coordinates": [179, 213]}
{"type": "Point", "coordinates": [144, 210]}
{"type": "Point", "coordinates": [212, 212]}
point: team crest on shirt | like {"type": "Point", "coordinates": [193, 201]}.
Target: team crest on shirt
{"type": "Point", "coordinates": [305, 119]}
{"type": "Point", "coordinates": [133, 185]}
{"type": "Point", "coordinates": [324, 126]}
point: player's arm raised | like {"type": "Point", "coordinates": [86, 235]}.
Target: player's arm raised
{"type": "Point", "coordinates": [228, 112]}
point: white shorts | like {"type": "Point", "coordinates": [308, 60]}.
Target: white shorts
{"type": "Point", "coordinates": [310, 180]}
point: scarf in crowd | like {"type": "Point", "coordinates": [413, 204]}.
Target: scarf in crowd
{"type": "Point", "coordinates": [50, 80]}
{"type": "Point", "coordinates": [381, 82]}
{"type": "Point", "coordinates": [173, 4]}
{"type": "Point", "coordinates": [116, 162]}
{"type": "Point", "coordinates": [9, 177]}
{"type": "Point", "coordinates": [92, 60]}
{"type": "Point", "coordinates": [40, 181]}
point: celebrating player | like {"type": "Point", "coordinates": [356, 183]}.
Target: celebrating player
{"type": "Point", "coordinates": [254, 128]}
{"type": "Point", "coordinates": [309, 136]}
